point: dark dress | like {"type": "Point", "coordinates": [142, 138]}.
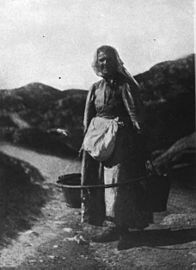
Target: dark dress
{"type": "Point", "coordinates": [126, 205]}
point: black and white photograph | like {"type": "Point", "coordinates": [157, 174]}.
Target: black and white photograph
{"type": "Point", "coordinates": [97, 135]}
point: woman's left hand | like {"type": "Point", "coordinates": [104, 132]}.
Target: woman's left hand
{"type": "Point", "coordinates": [137, 127]}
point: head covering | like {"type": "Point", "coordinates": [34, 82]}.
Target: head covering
{"type": "Point", "coordinates": [119, 63]}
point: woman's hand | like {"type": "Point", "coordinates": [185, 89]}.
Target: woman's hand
{"type": "Point", "coordinates": [137, 127]}
{"type": "Point", "coordinates": [80, 152]}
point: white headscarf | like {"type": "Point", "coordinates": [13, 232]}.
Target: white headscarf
{"type": "Point", "coordinates": [120, 65]}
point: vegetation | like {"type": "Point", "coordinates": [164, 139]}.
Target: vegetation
{"type": "Point", "coordinates": [21, 196]}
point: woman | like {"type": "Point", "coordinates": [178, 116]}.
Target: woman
{"type": "Point", "coordinates": [116, 95]}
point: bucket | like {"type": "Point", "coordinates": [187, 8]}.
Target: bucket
{"type": "Point", "coordinates": [72, 196]}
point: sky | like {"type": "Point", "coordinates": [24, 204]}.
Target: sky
{"type": "Point", "coordinates": [54, 41]}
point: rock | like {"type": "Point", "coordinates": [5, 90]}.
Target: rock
{"type": "Point", "coordinates": [180, 156]}
{"type": "Point", "coordinates": [79, 239]}
{"type": "Point", "coordinates": [180, 220]}
{"type": "Point", "coordinates": [52, 257]}
{"type": "Point", "coordinates": [68, 230]}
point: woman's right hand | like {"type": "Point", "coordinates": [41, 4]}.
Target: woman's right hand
{"type": "Point", "coordinates": [80, 152]}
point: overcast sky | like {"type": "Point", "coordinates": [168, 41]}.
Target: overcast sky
{"type": "Point", "coordinates": [53, 41]}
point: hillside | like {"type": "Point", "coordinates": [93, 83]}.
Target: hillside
{"type": "Point", "coordinates": [21, 196]}
{"type": "Point", "coordinates": [32, 96]}
{"type": "Point", "coordinates": [42, 108]}
{"type": "Point", "coordinates": [168, 79]}
{"type": "Point", "coordinates": [167, 91]}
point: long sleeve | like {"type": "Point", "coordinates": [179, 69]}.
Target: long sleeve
{"type": "Point", "coordinates": [131, 105]}
{"type": "Point", "coordinates": [135, 90]}
{"type": "Point", "coordinates": [89, 111]}
{"type": "Point", "coordinates": [133, 102]}
{"type": "Point", "coordinates": [129, 102]}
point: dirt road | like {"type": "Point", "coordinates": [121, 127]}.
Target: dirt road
{"type": "Point", "coordinates": [55, 240]}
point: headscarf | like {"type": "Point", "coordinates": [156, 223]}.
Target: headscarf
{"type": "Point", "coordinates": [119, 64]}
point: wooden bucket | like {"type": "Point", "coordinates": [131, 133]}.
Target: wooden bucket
{"type": "Point", "coordinates": [72, 195]}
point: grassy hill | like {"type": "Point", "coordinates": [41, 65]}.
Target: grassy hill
{"type": "Point", "coordinates": [42, 108]}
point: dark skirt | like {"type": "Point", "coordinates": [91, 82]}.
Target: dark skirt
{"type": "Point", "coordinates": [127, 205]}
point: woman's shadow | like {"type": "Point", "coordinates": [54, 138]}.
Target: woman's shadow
{"type": "Point", "coordinates": [159, 237]}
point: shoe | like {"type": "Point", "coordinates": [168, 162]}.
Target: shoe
{"type": "Point", "coordinates": [124, 239]}
{"type": "Point", "coordinates": [109, 235]}
{"type": "Point", "coordinates": [124, 243]}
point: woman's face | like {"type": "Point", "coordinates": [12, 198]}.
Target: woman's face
{"type": "Point", "coordinates": [107, 63]}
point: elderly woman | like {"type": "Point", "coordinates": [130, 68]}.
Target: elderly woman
{"type": "Point", "coordinates": [115, 96]}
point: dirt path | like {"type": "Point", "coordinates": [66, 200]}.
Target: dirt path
{"type": "Point", "coordinates": [55, 242]}
{"type": "Point", "coordinates": [50, 166]}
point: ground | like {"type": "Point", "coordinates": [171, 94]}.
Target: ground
{"type": "Point", "coordinates": [57, 239]}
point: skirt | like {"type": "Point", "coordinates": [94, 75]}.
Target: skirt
{"type": "Point", "coordinates": [127, 205]}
